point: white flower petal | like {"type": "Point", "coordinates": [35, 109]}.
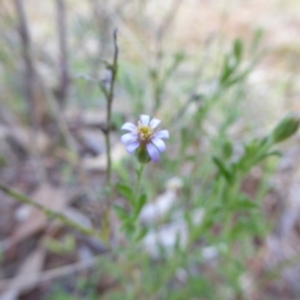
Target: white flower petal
{"type": "Point", "coordinates": [153, 152]}
{"type": "Point", "coordinates": [129, 126]}
{"type": "Point", "coordinates": [154, 123]}
{"type": "Point", "coordinates": [145, 119]}
{"type": "Point", "coordinates": [162, 134]}
{"type": "Point", "coordinates": [131, 147]}
{"type": "Point", "coordinates": [129, 138]}
{"type": "Point", "coordinates": [159, 144]}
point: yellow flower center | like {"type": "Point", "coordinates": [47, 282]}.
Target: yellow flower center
{"type": "Point", "coordinates": [145, 132]}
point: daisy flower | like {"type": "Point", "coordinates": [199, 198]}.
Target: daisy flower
{"type": "Point", "coordinates": [145, 136]}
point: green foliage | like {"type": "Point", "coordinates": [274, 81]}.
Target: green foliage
{"type": "Point", "coordinates": [140, 204]}
{"type": "Point", "coordinates": [223, 169]}
{"type": "Point", "coordinates": [126, 191]}
{"type": "Point", "coordinates": [137, 201]}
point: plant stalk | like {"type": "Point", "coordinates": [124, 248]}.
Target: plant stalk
{"type": "Point", "coordinates": [47, 211]}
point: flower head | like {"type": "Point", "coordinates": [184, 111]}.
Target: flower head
{"type": "Point", "coordinates": [145, 137]}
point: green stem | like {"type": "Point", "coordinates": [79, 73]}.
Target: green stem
{"type": "Point", "coordinates": [139, 174]}
{"type": "Point", "coordinates": [108, 156]}
{"type": "Point", "coordinates": [47, 211]}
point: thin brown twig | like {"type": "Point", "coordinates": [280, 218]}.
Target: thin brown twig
{"type": "Point", "coordinates": [63, 47]}
{"type": "Point", "coordinates": [53, 104]}
{"type": "Point", "coordinates": [62, 94]}
{"type": "Point", "coordinates": [26, 52]}
{"type": "Point", "coordinates": [109, 101]}
{"type": "Point", "coordinates": [30, 85]}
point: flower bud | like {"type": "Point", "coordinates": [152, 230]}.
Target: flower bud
{"type": "Point", "coordinates": [286, 128]}
{"type": "Point", "coordinates": [142, 155]}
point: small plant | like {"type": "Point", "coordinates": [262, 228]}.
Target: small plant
{"type": "Point", "coordinates": [146, 142]}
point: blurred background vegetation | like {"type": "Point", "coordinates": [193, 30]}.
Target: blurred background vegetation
{"type": "Point", "coordinates": [220, 75]}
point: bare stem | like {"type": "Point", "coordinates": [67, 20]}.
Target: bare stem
{"type": "Point", "coordinates": [109, 101]}
{"type": "Point", "coordinates": [48, 212]}
{"type": "Point", "coordinates": [109, 95]}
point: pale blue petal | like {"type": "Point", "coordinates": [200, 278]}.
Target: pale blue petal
{"type": "Point", "coordinates": [129, 138]}
{"type": "Point", "coordinates": [154, 123]}
{"type": "Point", "coordinates": [131, 147]}
{"type": "Point", "coordinates": [162, 134]}
{"type": "Point", "coordinates": [129, 126]}
{"type": "Point", "coordinates": [159, 144]}
{"type": "Point", "coordinates": [153, 152]}
{"type": "Point", "coordinates": [145, 119]}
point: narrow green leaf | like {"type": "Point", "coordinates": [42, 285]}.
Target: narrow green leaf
{"type": "Point", "coordinates": [141, 234]}
{"type": "Point", "coordinates": [226, 71]}
{"type": "Point", "coordinates": [125, 190]}
{"type": "Point", "coordinates": [243, 205]}
{"type": "Point", "coordinates": [141, 202]}
{"type": "Point", "coordinates": [238, 49]}
{"type": "Point", "coordinates": [121, 212]}
{"type": "Point", "coordinates": [223, 169]}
